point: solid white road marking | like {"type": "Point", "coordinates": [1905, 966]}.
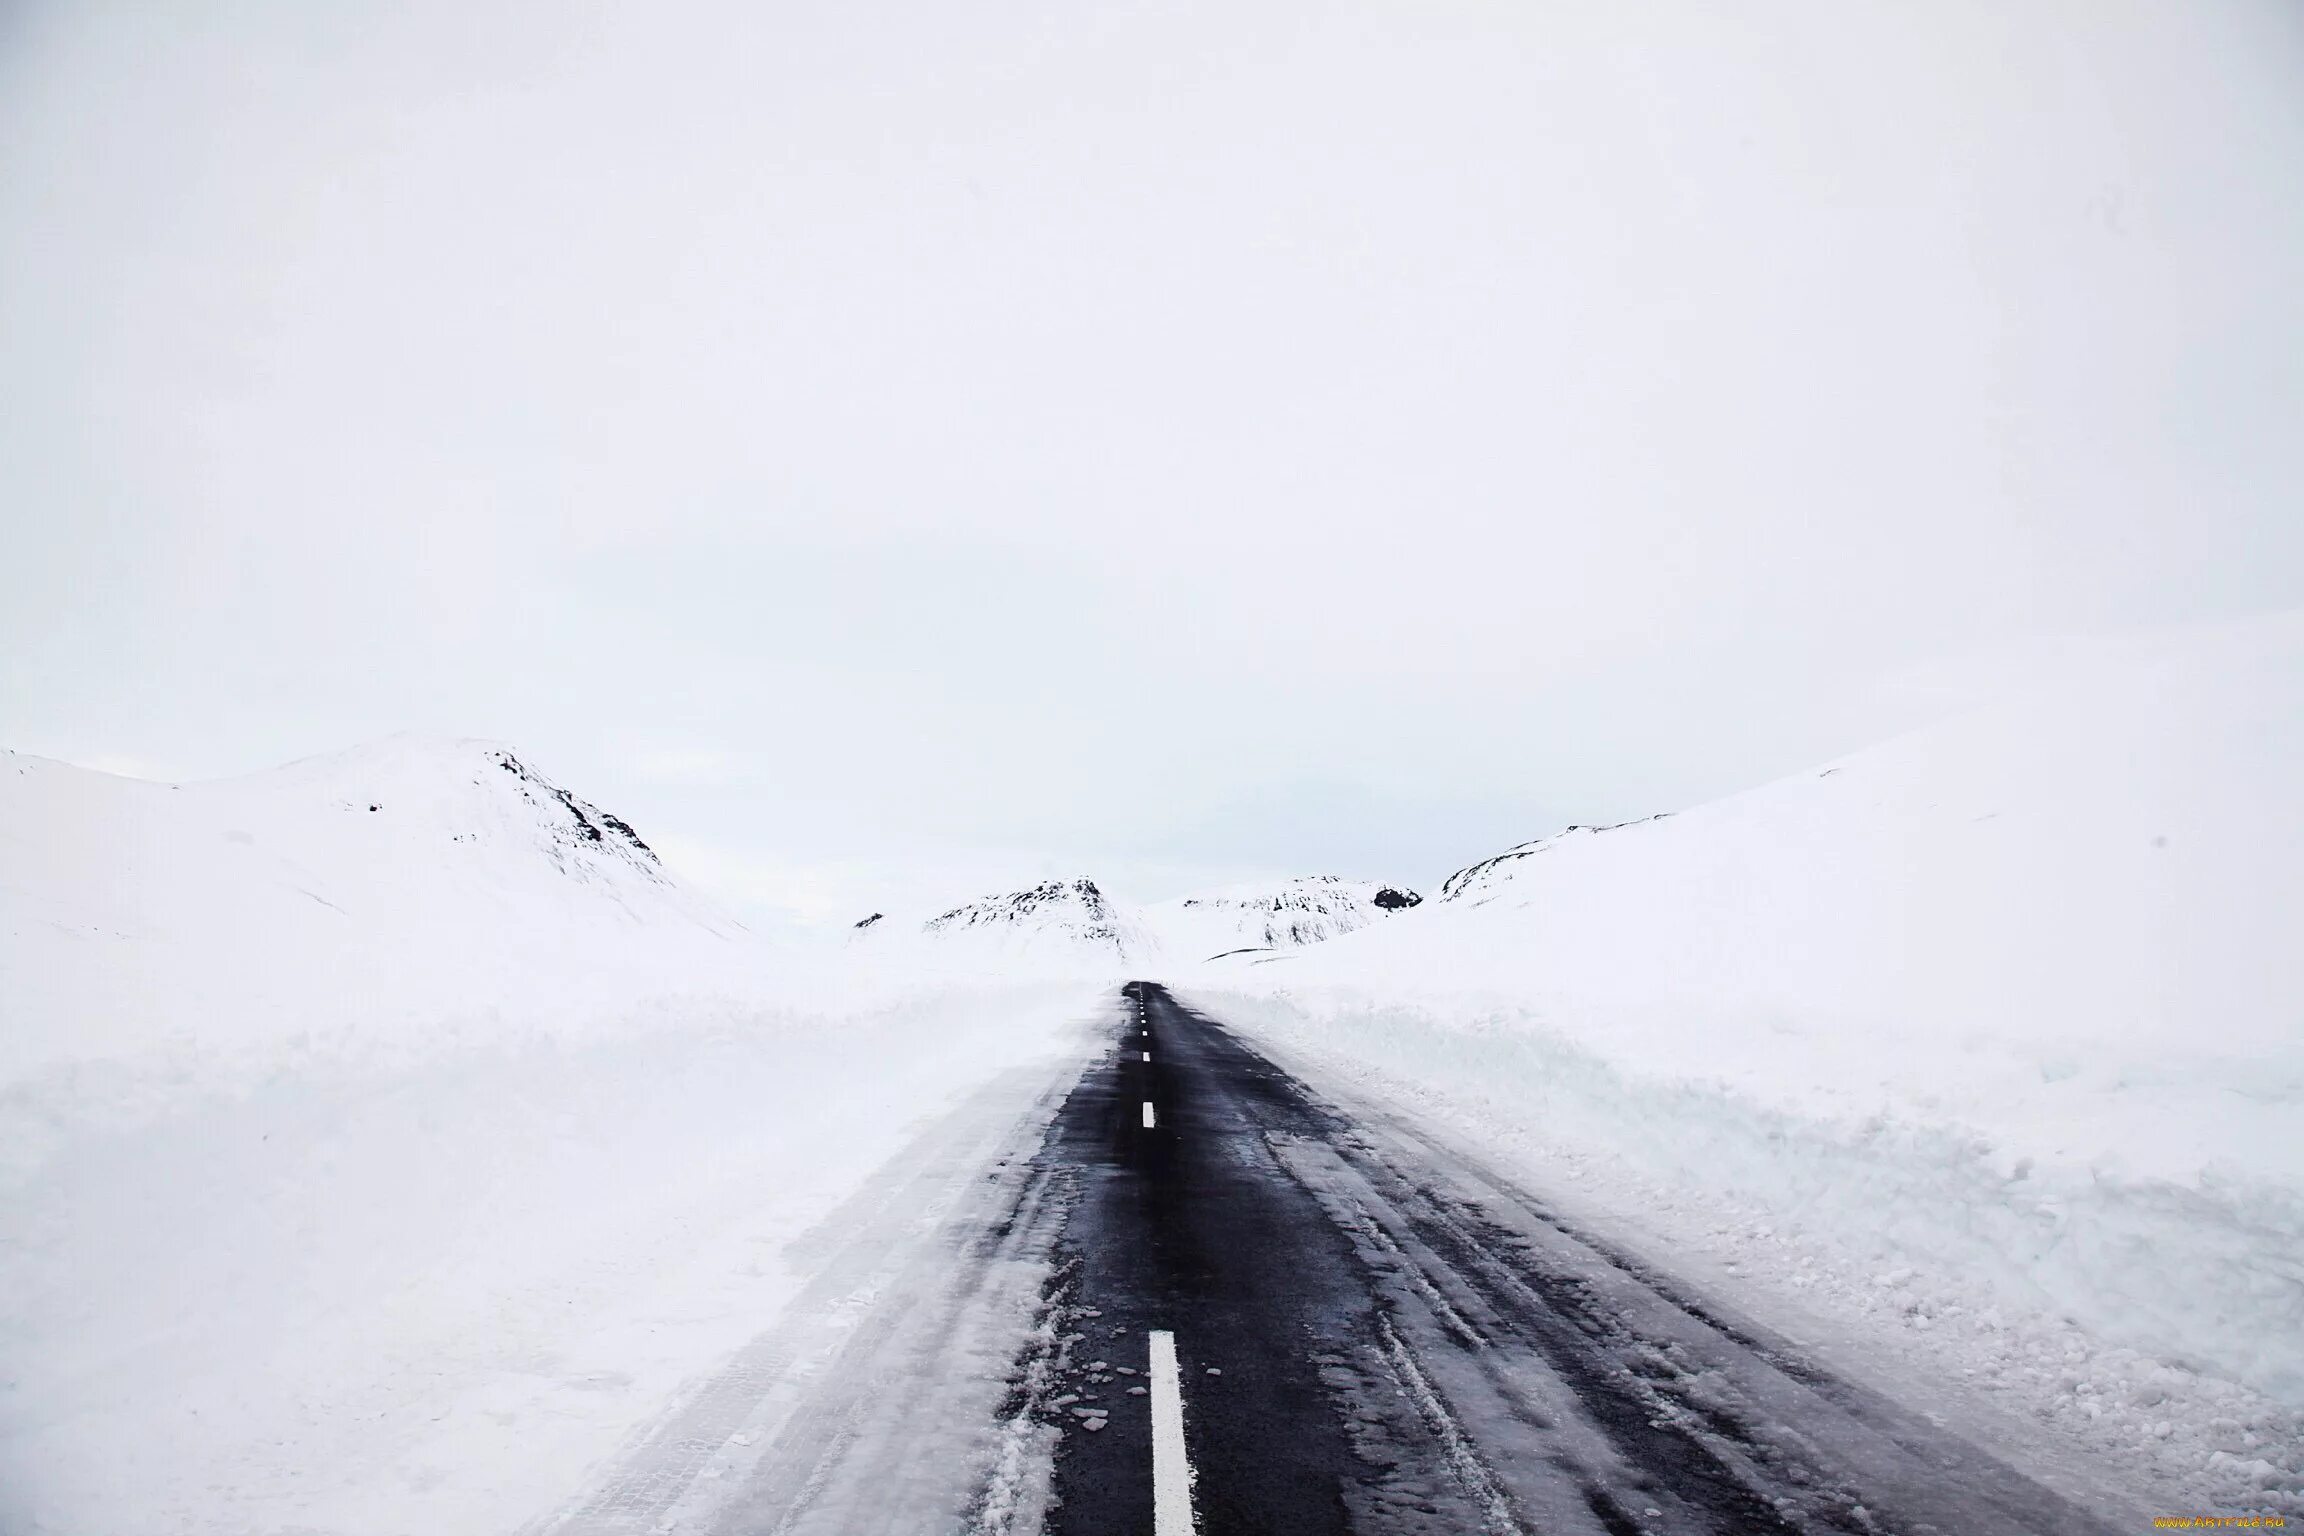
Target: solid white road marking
{"type": "Point", "coordinates": [1149, 1122]}
{"type": "Point", "coordinates": [1171, 1467]}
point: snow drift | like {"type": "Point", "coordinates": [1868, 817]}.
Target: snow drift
{"type": "Point", "coordinates": [2008, 1005]}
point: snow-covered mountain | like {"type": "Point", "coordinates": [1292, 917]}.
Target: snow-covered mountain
{"type": "Point", "coordinates": [1262, 916]}
{"type": "Point", "coordinates": [411, 877]}
{"type": "Point", "coordinates": [1075, 924]}
{"type": "Point", "coordinates": [1056, 925]}
{"type": "Point", "coordinates": [1061, 917]}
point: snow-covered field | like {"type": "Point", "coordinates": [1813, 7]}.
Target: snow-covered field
{"type": "Point", "coordinates": [1980, 1049]}
{"type": "Point", "coordinates": [384, 1170]}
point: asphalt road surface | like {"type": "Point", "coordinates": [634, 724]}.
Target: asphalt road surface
{"type": "Point", "coordinates": [1185, 1294]}
{"type": "Point", "coordinates": [1371, 1341]}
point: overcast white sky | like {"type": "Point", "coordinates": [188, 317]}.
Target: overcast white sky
{"type": "Point", "coordinates": [891, 448]}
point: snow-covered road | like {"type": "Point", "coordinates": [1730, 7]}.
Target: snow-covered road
{"type": "Point", "coordinates": [1356, 1330]}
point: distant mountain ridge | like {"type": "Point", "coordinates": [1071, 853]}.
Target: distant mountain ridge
{"type": "Point", "coordinates": [1073, 921]}
{"type": "Point", "coordinates": [1310, 909]}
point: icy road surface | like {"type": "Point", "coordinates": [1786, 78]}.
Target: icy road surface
{"type": "Point", "coordinates": [1203, 1299]}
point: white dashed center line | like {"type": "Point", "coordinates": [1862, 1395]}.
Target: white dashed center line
{"type": "Point", "coordinates": [1149, 1121]}
{"type": "Point", "coordinates": [1171, 1467]}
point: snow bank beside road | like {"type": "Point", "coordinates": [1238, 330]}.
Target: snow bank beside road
{"type": "Point", "coordinates": [430, 1297]}
{"type": "Point", "coordinates": [1897, 1240]}
{"type": "Point", "coordinates": [2008, 1009]}
{"type": "Point", "coordinates": [384, 1137]}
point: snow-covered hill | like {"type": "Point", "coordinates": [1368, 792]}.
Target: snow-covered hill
{"type": "Point", "coordinates": [342, 896]}
{"type": "Point", "coordinates": [1994, 1026]}
{"type": "Point", "coordinates": [2102, 863]}
{"type": "Point", "coordinates": [1264, 917]}
{"type": "Point", "coordinates": [1478, 881]}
